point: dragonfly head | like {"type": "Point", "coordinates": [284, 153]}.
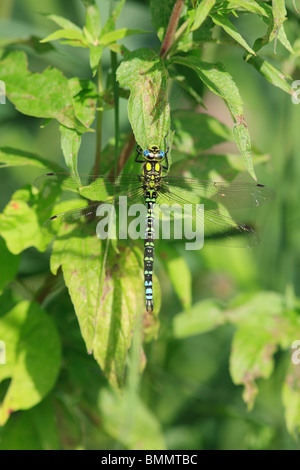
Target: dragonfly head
{"type": "Point", "coordinates": [154, 153]}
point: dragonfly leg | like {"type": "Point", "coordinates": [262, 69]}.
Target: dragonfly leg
{"type": "Point", "coordinates": [166, 166]}
{"type": "Point", "coordinates": [139, 152]}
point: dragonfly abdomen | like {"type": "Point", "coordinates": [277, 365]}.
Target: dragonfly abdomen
{"type": "Point", "coordinates": [149, 252]}
{"type": "Point", "coordinates": [151, 175]}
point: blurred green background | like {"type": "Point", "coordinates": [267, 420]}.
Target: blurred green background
{"type": "Point", "coordinates": [186, 384]}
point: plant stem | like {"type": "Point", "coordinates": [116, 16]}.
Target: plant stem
{"type": "Point", "coordinates": [170, 33]}
{"type": "Point", "coordinates": [124, 155]}
{"type": "Point", "coordinates": [178, 35]}
{"type": "Point", "coordinates": [46, 289]}
{"type": "Point", "coordinates": [114, 65]}
{"type": "Point", "coordinates": [99, 124]}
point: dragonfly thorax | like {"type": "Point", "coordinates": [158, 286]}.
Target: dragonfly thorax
{"type": "Point", "coordinates": [151, 174]}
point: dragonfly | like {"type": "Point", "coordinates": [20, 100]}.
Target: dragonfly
{"type": "Point", "coordinates": [153, 187]}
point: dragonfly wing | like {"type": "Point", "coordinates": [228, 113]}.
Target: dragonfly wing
{"type": "Point", "coordinates": [94, 188]}
{"type": "Point", "coordinates": [65, 223]}
{"type": "Point", "coordinates": [212, 226]}
{"type": "Point", "coordinates": [231, 195]}
{"type": "Point", "coordinates": [222, 230]}
{"type": "Point", "coordinates": [84, 220]}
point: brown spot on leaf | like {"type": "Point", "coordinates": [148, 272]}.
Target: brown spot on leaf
{"type": "Point", "coordinates": [240, 119]}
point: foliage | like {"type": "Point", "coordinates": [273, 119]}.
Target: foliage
{"type": "Point", "coordinates": [49, 372]}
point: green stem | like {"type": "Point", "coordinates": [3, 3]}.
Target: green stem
{"type": "Point", "coordinates": [48, 287]}
{"type": "Point", "coordinates": [114, 66]}
{"type": "Point", "coordinates": [99, 123]}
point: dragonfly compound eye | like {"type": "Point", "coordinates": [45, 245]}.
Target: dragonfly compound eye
{"type": "Point", "coordinates": [146, 153]}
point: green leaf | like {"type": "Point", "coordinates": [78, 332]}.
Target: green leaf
{"type": "Point", "coordinates": [67, 34]}
{"type": "Point", "coordinates": [275, 20]}
{"type": "Point", "coordinates": [15, 157]}
{"type": "Point", "coordinates": [135, 427]}
{"type": "Point", "coordinates": [92, 20]}
{"type": "Point", "coordinates": [106, 311]}
{"type": "Point", "coordinates": [268, 302]}
{"type": "Point", "coordinates": [20, 224]}
{"type": "Point", "coordinates": [248, 5]}
{"type": "Point", "coordinates": [160, 15]}
{"type": "Point", "coordinates": [113, 36]}
{"type": "Point", "coordinates": [279, 12]}
{"type": "Point", "coordinates": [84, 95]}
{"type": "Point", "coordinates": [275, 76]}
{"type": "Point", "coordinates": [202, 317]}
{"type": "Point", "coordinates": [45, 95]}
{"type": "Point", "coordinates": [243, 141]}
{"type": "Point", "coordinates": [32, 357]}
{"type": "Point", "coordinates": [252, 355]}
{"type": "Point", "coordinates": [251, 360]}
{"type": "Point", "coordinates": [220, 82]}
{"type": "Point", "coordinates": [148, 109]}
{"type": "Point", "coordinates": [111, 22]}
{"type": "Point", "coordinates": [70, 144]}
{"type": "Point", "coordinates": [175, 264]}
{"type": "Point", "coordinates": [222, 20]}
{"type": "Point", "coordinates": [64, 22]}
{"type": "Point", "coordinates": [11, 264]}
{"type": "Point", "coordinates": [202, 12]}
{"type": "Point", "coordinates": [284, 40]}
{"type": "Point", "coordinates": [95, 56]}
